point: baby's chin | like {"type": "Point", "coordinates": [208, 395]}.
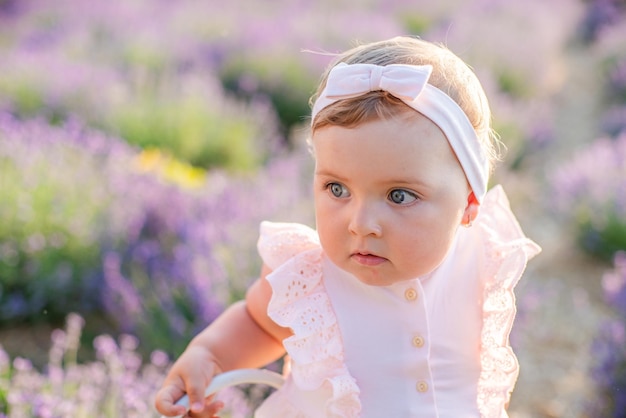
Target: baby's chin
{"type": "Point", "coordinates": [380, 278]}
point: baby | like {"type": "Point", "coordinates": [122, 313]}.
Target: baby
{"type": "Point", "coordinates": [400, 303]}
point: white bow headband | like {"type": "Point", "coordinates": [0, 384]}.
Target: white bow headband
{"type": "Point", "coordinates": [409, 83]}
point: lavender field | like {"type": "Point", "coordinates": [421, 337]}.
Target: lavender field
{"type": "Point", "coordinates": [142, 142]}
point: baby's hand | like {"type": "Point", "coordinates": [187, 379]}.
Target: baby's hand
{"type": "Point", "coordinates": [190, 375]}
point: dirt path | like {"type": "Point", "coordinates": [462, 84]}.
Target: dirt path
{"type": "Point", "coordinates": [560, 297]}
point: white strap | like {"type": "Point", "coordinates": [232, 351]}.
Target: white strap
{"type": "Point", "coordinates": [238, 377]}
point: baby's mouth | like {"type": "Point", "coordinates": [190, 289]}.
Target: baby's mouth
{"type": "Point", "coordinates": [367, 259]}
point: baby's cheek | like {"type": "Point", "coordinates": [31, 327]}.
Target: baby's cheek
{"type": "Point", "coordinates": [331, 243]}
{"type": "Point", "coordinates": [425, 255]}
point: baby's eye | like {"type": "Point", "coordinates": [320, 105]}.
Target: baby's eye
{"type": "Point", "coordinates": [338, 190]}
{"type": "Point", "coordinates": [402, 197]}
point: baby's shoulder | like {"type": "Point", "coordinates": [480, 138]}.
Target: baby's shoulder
{"type": "Point", "coordinates": [281, 241]}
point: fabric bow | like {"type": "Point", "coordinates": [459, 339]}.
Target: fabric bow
{"type": "Point", "coordinates": [405, 82]}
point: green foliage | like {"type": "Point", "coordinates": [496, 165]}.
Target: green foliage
{"type": "Point", "coordinates": [603, 239]}
{"type": "Point", "coordinates": [284, 79]}
{"type": "Point", "coordinates": [5, 377]}
{"type": "Point", "coordinates": [27, 99]}
{"type": "Point", "coordinates": [191, 130]}
{"type": "Point", "coordinates": [513, 83]}
{"type": "Point", "coordinates": [415, 23]}
{"type": "Point", "coordinates": [513, 136]}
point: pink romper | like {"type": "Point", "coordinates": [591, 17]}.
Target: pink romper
{"type": "Point", "coordinates": [435, 346]}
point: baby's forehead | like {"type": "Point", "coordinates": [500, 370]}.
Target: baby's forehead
{"type": "Point", "coordinates": [383, 154]}
{"type": "Point", "coordinates": [395, 123]}
{"type": "Point", "coordinates": [409, 131]}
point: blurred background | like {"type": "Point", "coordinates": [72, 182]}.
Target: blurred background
{"type": "Point", "coordinates": [142, 142]}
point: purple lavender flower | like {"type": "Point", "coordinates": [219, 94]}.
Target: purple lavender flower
{"type": "Point", "coordinates": [598, 15]}
{"type": "Point", "coordinates": [594, 200]}
{"type": "Point", "coordinates": [609, 347]}
{"type": "Point", "coordinates": [160, 260]}
{"type": "Point", "coordinates": [53, 191]}
{"type": "Point", "coordinates": [118, 384]}
{"type": "Point", "coordinates": [614, 285]}
{"type": "Point", "coordinates": [614, 120]}
{"type": "Point", "coordinates": [617, 80]}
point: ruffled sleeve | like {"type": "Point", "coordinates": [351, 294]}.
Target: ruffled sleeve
{"type": "Point", "coordinates": [278, 242]}
{"type": "Point", "coordinates": [299, 301]}
{"type": "Point", "coordinates": [506, 252]}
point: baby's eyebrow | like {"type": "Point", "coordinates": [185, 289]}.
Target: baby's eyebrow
{"type": "Point", "coordinates": [406, 181]}
{"type": "Point", "coordinates": [328, 173]}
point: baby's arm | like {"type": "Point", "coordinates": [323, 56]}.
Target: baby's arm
{"type": "Point", "coordinates": [242, 337]}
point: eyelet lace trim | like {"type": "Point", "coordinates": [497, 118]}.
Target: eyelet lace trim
{"type": "Point", "coordinates": [300, 302]}
{"type": "Point", "coordinates": [507, 251]}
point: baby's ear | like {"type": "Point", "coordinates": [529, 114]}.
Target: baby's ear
{"type": "Point", "coordinates": [471, 210]}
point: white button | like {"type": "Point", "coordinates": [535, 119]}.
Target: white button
{"type": "Point", "coordinates": [418, 341]}
{"type": "Point", "coordinates": [422, 387]}
{"type": "Point", "coordinates": [410, 294]}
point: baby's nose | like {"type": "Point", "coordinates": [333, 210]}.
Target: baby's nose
{"type": "Point", "coordinates": [365, 220]}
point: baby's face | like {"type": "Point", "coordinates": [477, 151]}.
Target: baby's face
{"type": "Point", "coordinates": [389, 197]}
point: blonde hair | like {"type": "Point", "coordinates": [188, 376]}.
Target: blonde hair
{"type": "Point", "coordinates": [450, 74]}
